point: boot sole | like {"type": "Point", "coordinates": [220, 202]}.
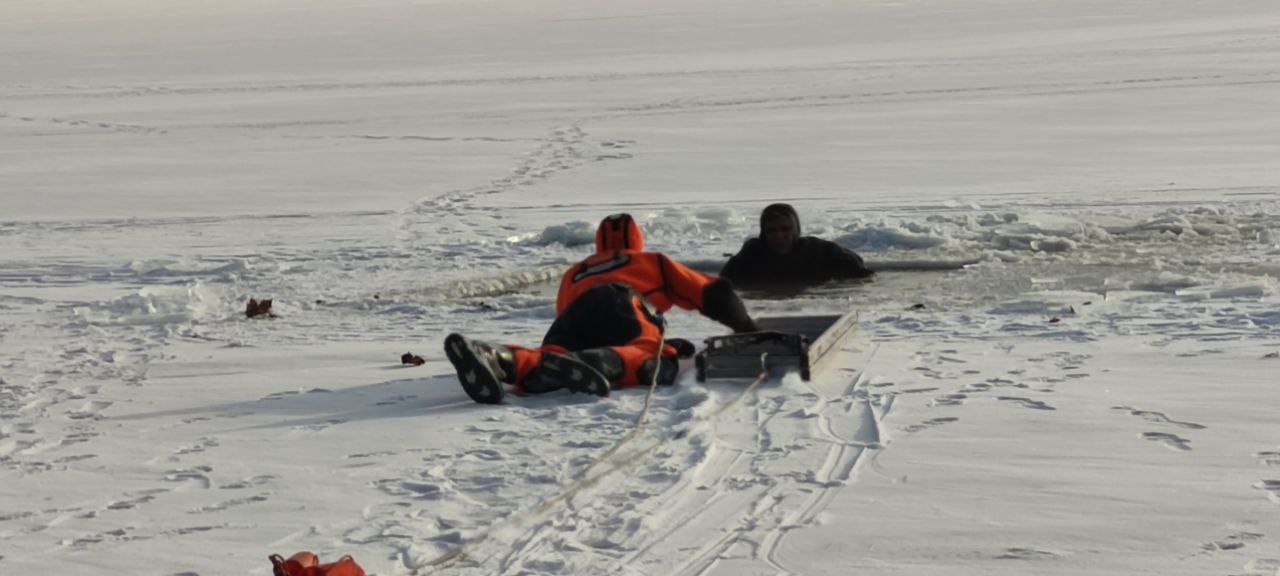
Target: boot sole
{"type": "Point", "coordinates": [576, 375]}
{"type": "Point", "coordinates": [477, 380]}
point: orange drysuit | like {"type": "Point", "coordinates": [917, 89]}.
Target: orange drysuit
{"type": "Point", "coordinates": [607, 310]}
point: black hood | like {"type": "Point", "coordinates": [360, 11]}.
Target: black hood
{"type": "Point", "coordinates": [779, 209]}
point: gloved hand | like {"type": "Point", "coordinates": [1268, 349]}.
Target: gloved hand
{"type": "Point", "coordinates": [747, 327]}
{"type": "Point", "coordinates": [684, 348]}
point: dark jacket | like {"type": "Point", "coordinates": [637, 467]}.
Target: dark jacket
{"type": "Point", "coordinates": [811, 261]}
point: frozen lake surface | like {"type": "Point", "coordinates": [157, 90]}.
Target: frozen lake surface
{"type": "Point", "coordinates": [1061, 369]}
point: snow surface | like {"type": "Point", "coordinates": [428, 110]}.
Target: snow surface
{"type": "Point", "coordinates": [1062, 369]}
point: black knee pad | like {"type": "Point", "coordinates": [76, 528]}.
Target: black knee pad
{"type": "Point", "coordinates": [604, 360]}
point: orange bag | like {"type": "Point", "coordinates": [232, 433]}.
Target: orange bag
{"type": "Point", "coordinates": [307, 564]}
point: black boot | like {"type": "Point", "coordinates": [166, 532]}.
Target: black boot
{"type": "Point", "coordinates": [482, 367]}
{"type": "Point", "coordinates": [668, 370]}
{"type": "Point", "coordinates": [558, 371]}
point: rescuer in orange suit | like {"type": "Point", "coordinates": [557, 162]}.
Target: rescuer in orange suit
{"type": "Point", "coordinates": [608, 324]}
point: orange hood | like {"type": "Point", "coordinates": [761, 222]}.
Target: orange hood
{"type": "Point", "coordinates": [619, 232]}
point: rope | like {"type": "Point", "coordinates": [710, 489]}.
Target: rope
{"type": "Point", "coordinates": [644, 412]}
{"type": "Point", "coordinates": [586, 480]}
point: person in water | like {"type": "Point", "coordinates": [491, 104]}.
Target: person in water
{"type": "Point", "coordinates": [781, 257]}
{"type": "Point", "coordinates": [608, 325]}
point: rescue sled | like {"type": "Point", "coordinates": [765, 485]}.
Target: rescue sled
{"type": "Point", "coordinates": [800, 342]}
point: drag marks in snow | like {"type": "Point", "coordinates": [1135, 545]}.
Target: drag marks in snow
{"type": "Point", "coordinates": [720, 488]}
{"type": "Point", "coordinates": [810, 445]}
{"type": "Point", "coordinates": [644, 484]}
{"type": "Point", "coordinates": [750, 474]}
{"type": "Point", "coordinates": [845, 452]}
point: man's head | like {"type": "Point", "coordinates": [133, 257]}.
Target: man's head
{"type": "Point", "coordinates": [619, 232]}
{"type": "Point", "coordinates": [779, 228]}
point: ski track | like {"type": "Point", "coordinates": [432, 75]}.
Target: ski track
{"type": "Point", "coordinates": [611, 521]}
{"type": "Point", "coordinates": [844, 457]}
{"type": "Point", "coordinates": [710, 478]}
{"type": "Point", "coordinates": [1044, 89]}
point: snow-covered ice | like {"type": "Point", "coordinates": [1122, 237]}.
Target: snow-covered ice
{"type": "Point", "coordinates": [1061, 369]}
